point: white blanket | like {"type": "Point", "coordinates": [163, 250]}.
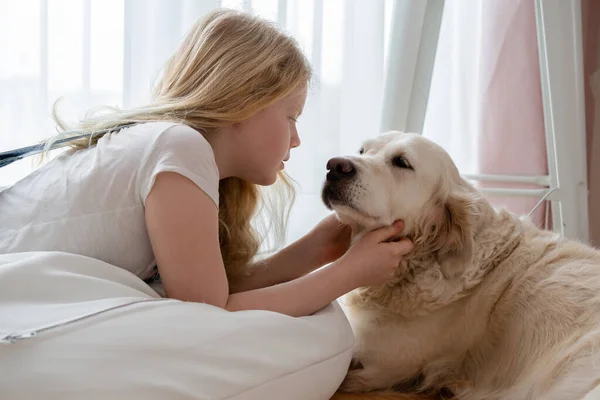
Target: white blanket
{"type": "Point", "coordinates": [77, 328]}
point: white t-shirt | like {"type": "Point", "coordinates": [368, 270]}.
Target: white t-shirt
{"type": "Point", "coordinates": [92, 201]}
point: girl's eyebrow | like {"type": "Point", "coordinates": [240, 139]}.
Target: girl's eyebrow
{"type": "Point", "coordinates": [296, 108]}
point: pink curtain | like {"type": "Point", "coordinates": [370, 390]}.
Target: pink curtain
{"type": "Point", "coordinates": [591, 55]}
{"type": "Point", "coordinates": [512, 139]}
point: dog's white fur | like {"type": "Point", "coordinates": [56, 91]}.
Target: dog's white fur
{"type": "Point", "coordinates": [486, 305]}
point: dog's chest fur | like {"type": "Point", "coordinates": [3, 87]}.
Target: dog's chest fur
{"type": "Point", "coordinates": [537, 303]}
{"type": "Point", "coordinates": [424, 323]}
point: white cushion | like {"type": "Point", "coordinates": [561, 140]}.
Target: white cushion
{"type": "Point", "coordinates": [102, 333]}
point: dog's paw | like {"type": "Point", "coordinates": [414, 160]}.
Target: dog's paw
{"type": "Point", "coordinates": [355, 364]}
{"type": "Point", "coordinates": [356, 381]}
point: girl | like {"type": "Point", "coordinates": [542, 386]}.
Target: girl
{"type": "Point", "coordinates": [176, 183]}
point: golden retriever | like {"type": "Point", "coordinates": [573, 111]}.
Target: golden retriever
{"type": "Point", "coordinates": [486, 306]}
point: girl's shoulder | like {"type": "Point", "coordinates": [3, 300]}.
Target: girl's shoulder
{"type": "Point", "coordinates": [151, 131]}
{"type": "Point", "coordinates": [160, 138]}
{"type": "Point", "coordinates": [173, 147]}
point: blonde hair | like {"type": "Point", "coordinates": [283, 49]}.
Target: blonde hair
{"type": "Point", "coordinates": [230, 66]}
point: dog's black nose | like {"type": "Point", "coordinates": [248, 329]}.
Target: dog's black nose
{"type": "Point", "coordinates": [339, 168]}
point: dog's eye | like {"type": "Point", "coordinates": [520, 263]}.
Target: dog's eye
{"type": "Point", "coordinates": [361, 151]}
{"type": "Point", "coordinates": [401, 162]}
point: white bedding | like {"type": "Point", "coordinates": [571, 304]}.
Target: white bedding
{"type": "Point", "coordinates": [102, 333]}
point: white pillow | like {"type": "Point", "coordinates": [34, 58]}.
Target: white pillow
{"type": "Point", "coordinates": [102, 333]}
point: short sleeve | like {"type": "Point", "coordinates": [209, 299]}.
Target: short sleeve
{"type": "Point", "coordinates": [183, 150]}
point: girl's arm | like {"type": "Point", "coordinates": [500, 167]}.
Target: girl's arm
{"type": "Point", "coordinates": [293, 261]}
{"type": "Point", "coordinates": [183, 227]}
{"type": "Point", "coordinates": [325, 243]}
{"type": "Point", "coordinates": [299, 297]}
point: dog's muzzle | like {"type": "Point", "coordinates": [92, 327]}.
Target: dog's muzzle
{"type": "Point", "coordinates": [340, 168]}
{"type": "Point", "coordinates": [340, 171]}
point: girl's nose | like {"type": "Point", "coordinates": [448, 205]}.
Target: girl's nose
{"type": "Point", "coordinates": [295, 140]}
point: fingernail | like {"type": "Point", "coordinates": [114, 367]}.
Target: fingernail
{"type": "Point", "coordinates": [408, 246]}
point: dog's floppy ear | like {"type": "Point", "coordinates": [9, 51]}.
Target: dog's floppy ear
{"type": "Point", "coordinates": [446, 231]}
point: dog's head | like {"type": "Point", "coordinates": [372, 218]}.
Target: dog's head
{"type": "Point", "coordinates": [403, 176]}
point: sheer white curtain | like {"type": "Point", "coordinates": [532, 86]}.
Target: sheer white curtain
{"type": "Point", "coordinates": [95, 52]}
{"type": "Point", "coordinates": [453, 117]}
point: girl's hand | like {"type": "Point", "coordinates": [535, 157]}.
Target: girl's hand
{"type": "Point", "coordinates": [373, 260]}
{"type": "Point", "coordinates": [370, 261]}
{"type": "Point", "coordinates": [328, 240]}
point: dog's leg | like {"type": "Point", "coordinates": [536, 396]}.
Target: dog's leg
{"type": "Point", "coordinates": [377, 396]}
{"type": "Point", "coordinates": [369, 377]}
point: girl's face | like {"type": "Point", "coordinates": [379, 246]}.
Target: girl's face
{"type": "Point", "coordinates": [267, 137]}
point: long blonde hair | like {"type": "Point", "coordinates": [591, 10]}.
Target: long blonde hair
{"type": "Point", "coordinates": [230, 66]}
